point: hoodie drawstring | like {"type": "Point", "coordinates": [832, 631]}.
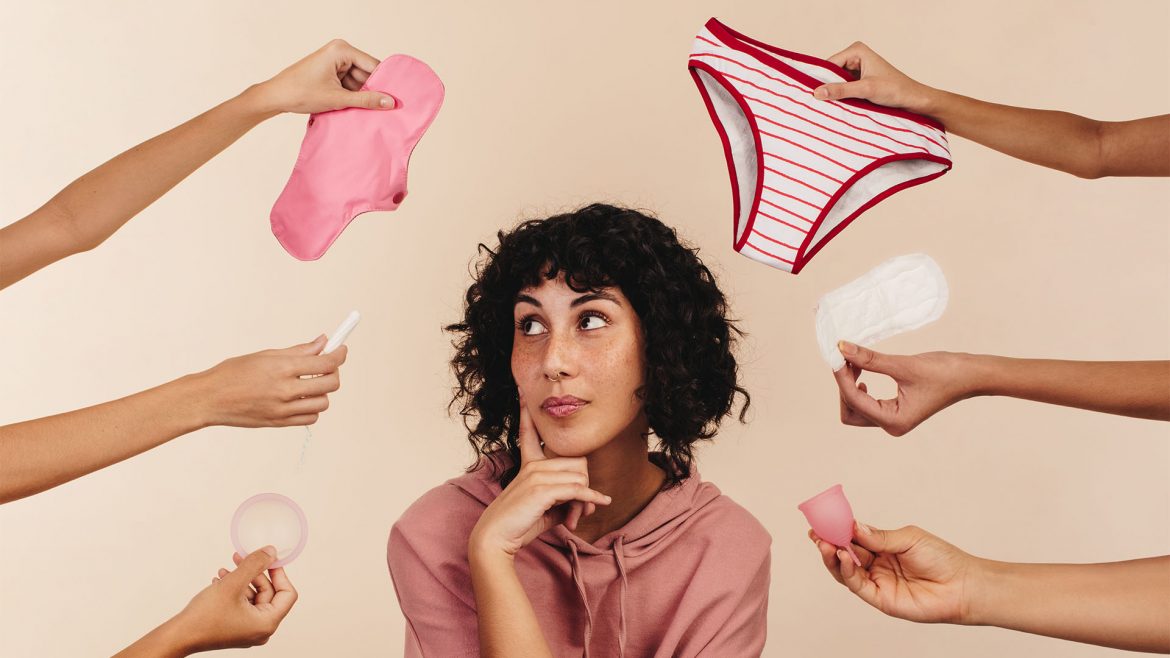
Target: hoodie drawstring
{"type": "Point", "coordinates": [575, 562]}
{"type": "Point", "coordinates": [619, 551]}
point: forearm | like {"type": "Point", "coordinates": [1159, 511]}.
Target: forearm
{"type": "Point", "coordinates": [1057, 140]}
{"type": "Point", "coordinates": [1140, 389]}
{"type": "Point", "coordinates": [40, 454]}
{"type": "Point", "coordinates": [163, 642]}
{"type": "Point", "coordinates": [90, 209]}
{"type": "Point", "coordinates": [507, 622]}
{"type": "Point", "coordinates": [1125, 605]}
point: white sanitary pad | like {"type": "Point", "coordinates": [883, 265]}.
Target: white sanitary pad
{"type": "Point", "coordinates": [901, 294]}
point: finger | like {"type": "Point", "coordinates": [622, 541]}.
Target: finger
{"type": "Point", "coordinates": [359, 58]}
{"type": "Point", "coordinates": [590, 508]}
{"type": "Point", "coordinates": [838, 90]}
{"type": "Point", "coordinates": [312, 347]}
{"type": "Point", "coordinates": [250, 567]}
{"type": "Point", "coordinates": [321, 364]}
{"type": "Point", "coordinates": [527, 437]}
{"type": "Point", "coordinates": [886, 541]}
{"type": "Point", "coordinates": [867, 359]}
{"type": "Point", "coordinates": [579, 465]}
{"type": "Point", "coordinates": [370, 100]}
{"type": "Point", "coordinates": [575, 510]}
{"type": "Point", "coordinates": [305, 406]}
{"type": "Point", "coordinates": [295, 421]}
{"type": "Point", "coordinates": [857, 400]}
{"type": "Point", "coordinates": [264, 590]}
{"type": "Point", "coordinates": [350, 83]}
{"type": "Point", "coordinates": [223, 572]}
{"type": "Point", "coordinates": [214, 580]}
{"type": "Point", "coordinates": [829, 558]}
{"type": "Point", "coordinates": [359, 75]}
{"type": "Point", "coordinates": [856, 578]}
{"type": "Point", "coordinates": [555, 494]}
{"type": "Point", "coordinates": [284, 594]}
{"type": "Point", "coordinates": [847, 56]}
{"type": "Point", "coordinates": [314, 386]}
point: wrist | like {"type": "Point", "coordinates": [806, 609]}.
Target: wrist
{"type": "Point", "coordinates": [977, 374]}
{"type": "Point", "coordinates": [257, 103]}
{"type": "Point", "coordinates": [980, 602]}
{"type": "Point", "coordinates": [483, 554]}
{"type": "Point", "coordinates": [192, 397]}
{"type": "Point", "coordinates": [930, 101]}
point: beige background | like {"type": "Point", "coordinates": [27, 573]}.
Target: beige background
{"type": "Point", "coordinates": [551, 105]}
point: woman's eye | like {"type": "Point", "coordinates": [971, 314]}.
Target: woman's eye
{"type": "Point", "coordinates": [592, 322]}
{"type": "Point", "coordinates": [530, 327]}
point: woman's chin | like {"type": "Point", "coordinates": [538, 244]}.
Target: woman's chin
{"type": "Point", "coordinates": [569, 443]}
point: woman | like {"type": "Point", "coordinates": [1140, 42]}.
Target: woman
{"type": "Point", "coordinates": [583, 334]}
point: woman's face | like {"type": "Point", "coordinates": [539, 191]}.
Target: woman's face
{"type": "Point", "coordinates": [579, 359]}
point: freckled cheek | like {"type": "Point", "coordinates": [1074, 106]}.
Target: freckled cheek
{"type": "Point", "coordinates": [525, 365]}
{"type": "Point", "coordinates": [616, 371]}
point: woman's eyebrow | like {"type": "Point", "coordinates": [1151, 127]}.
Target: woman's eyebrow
{"type": "Point", "coordinates": [584, 299]}
{"type": "Point", "coordinates": [528, 299]}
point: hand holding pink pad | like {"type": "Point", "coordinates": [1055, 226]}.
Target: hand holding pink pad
{"type": "Point", "coordinates": [355, 160]}
{"type": "Point", "coordinates": [831, 517]}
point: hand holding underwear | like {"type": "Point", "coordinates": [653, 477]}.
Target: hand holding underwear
{"type": "Point", "coordinates": [272, 388]}
{"type": "Point", "coordinates": [546, 492]}
{"type": "Point", "coordinates": [927, 383]}
{"type": "Point", "coordinates": [878, 81]}
{"type": "Point", "coordinates": [329, 79]}
{"type": "Point", "coordinates": [906, 573]}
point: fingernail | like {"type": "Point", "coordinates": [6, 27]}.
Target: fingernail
{"type": "Point", "coordinates": [820, 93]}
{"type": "Point", "coordinates": [865, 530]}
{"type": "Point", "coordinates": [386, 101]}
{"type": "Point", "coordinates": [843, 556]}
{"type": "Point", "coordinates": [847, 348]}
{"type": "Point", "coordinates": [270, 550]}
{"type": "Point", "coordinates": [608, 499]}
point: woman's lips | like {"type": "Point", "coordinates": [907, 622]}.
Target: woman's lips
{"type": "Point", "coordinates": [562, 407]}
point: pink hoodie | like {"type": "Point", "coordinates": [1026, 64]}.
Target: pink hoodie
{"type": "Point", "coordinates": [687, 576]}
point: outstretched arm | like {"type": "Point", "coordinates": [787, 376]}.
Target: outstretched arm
{"type": "Point", "coordinates": [91, 208]}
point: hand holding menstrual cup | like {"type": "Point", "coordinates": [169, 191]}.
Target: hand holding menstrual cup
{"type": "Point", "coordinates": [831, 518]}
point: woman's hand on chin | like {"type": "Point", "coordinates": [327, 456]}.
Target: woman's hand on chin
{"type": "Point", "coordinates": [546, 492]}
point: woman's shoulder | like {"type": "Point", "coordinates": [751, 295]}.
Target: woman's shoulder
{"type": "Point", "coordinates": [444, 516]}
{"type": "Point", "coordinates": [726, 522]}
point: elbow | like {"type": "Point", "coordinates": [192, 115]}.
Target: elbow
{"type": "Point", "coordinates": [1091, 165]}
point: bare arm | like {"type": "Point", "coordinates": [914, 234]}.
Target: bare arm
{"type": "Point", "coordinates": [1058, 140]}
{"type": "Point", "coordinates": [1125, 605]}
{"type": "Point", "coordinates": [257, 390]}
{"type": "Point", "coordinates": [911, 574]}
{"type": "Point", "coordinates": [933, 381]}
{"type": "Point", "coordinates": [507, 622]}
{"type": "Point", "coordinates": [90, 209]}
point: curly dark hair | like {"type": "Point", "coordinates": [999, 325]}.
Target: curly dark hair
{"type": "Point", "coordinates": [691, 378]}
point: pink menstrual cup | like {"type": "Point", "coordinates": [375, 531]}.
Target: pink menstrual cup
{"type": "Point", "coordinates": [270, 519]}
{"type": "Point", "coordinates": [831, 518]}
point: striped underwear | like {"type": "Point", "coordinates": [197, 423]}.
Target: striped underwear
{"type": "Point", "coordinates": [802, 169]}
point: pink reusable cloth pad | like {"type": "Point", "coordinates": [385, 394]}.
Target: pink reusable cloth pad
{"type": "Point", "coordinates": [355, 160]}
{"type": "Point", "coordinates": [831, 517]}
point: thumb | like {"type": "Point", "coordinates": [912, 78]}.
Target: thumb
{"type": "Point", "coordinates": [250, 567]}
{"type": "Point", "coordinates": [371, 100]}
{"type": "Point", "coordinates": [838, 90]}
{"type": "Point", "coordinates": [886, 541]}
{"type": "Point", "coordinates": [867, 359]}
